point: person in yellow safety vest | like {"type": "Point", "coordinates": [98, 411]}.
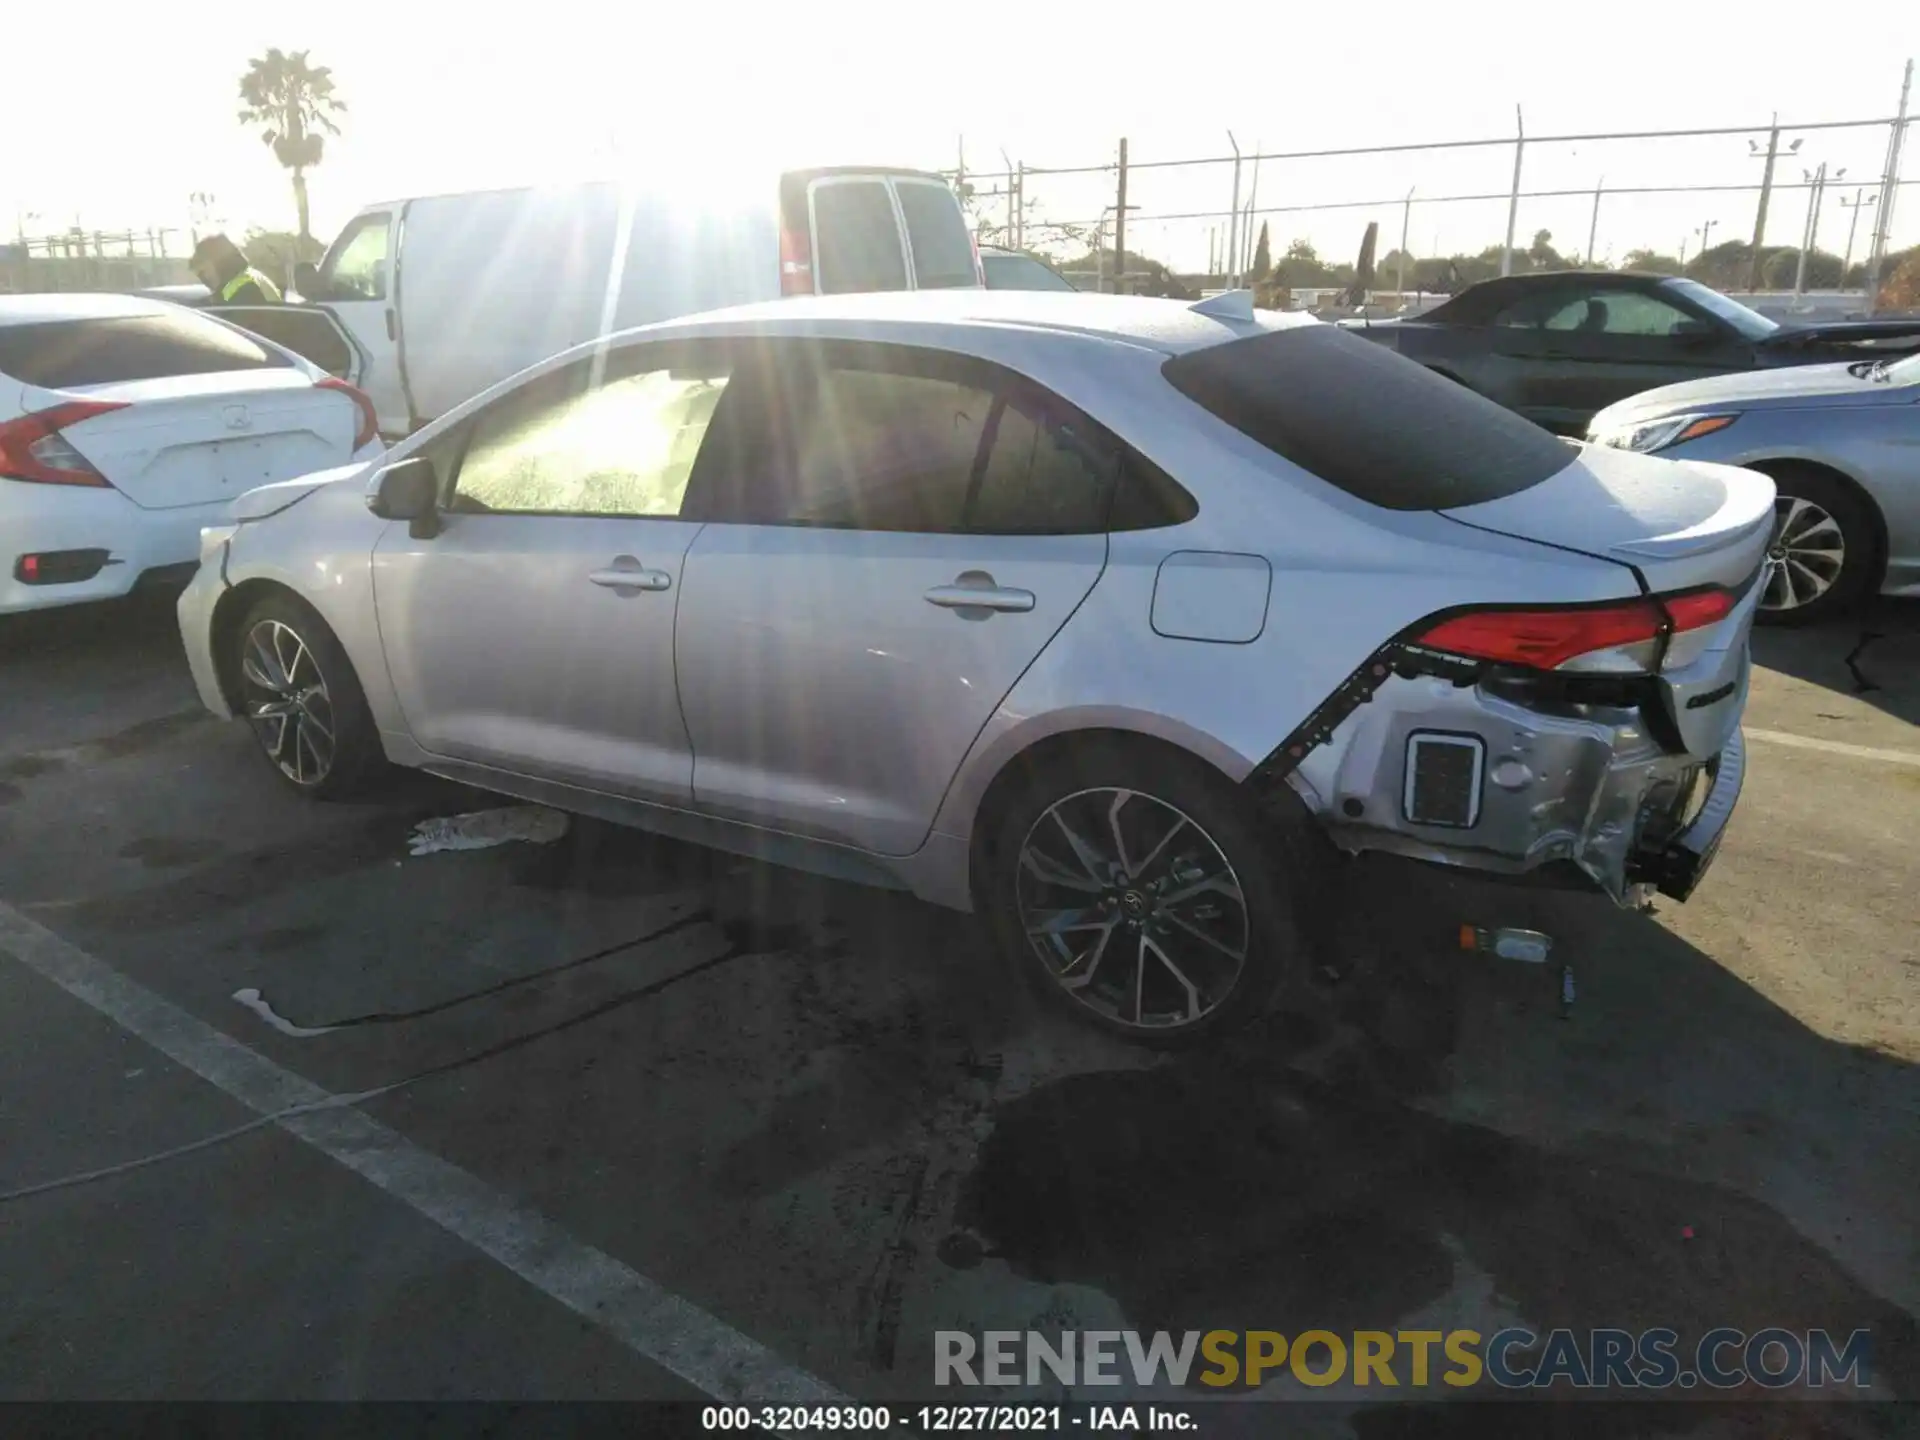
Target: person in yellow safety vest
{"type": "Point", "coordinates": [221, 267]}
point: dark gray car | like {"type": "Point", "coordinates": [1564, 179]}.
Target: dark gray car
{"type": "Point", "coordinates": [1558, 346]}
{"type": "Point", "coordinates": [1839, 441]}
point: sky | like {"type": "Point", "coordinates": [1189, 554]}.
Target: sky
{"type": "Point", "coordinates": [445, 99]}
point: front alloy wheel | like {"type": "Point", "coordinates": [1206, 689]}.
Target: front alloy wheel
{"type": "Point", "coordinates": [288, 703]}
{"type": "Point", "coordinates": [1806, 558]}
{"type": "Point", "coordinates": [1132, 908]}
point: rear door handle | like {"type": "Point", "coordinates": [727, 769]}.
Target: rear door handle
{"type": "Point", "coordinates": [390, 328]}
{"type": "Point", "coordinates": [634, 579]}
{"type": "Point", "coordinates": [976, 590]}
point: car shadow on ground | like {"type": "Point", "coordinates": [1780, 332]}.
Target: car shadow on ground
{"type": "Point", "coordinates": [1315, 1171]}
{"type": "Point", "coordinates": [1873, 655]}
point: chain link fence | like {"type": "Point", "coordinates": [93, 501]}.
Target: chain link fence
{"type": "Point", "coordinates": [1777, 208]}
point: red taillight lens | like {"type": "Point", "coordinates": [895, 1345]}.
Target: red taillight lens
{"type": "Point", "coordinates": [796, 262]}
{"type": "Point", "coordinates": [1548, 639]}
{"type": "Point", "coordinates": [1544, 639]}
{"type": "Point", "coordinates": [369, 427]}
{"type": "Point", "coordinates": [1697, 608]}
{"type": "Point", "coordinates": [31, 448]}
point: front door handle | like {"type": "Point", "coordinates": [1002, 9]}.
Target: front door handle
{"type": "Point", "coordinates": [976, 590]}
{"type": "Point", "coordinates": [631, 577]}
{"type": "Point", "coordinates": [391, 333]}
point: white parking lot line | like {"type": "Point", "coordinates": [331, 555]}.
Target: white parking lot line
{"type": "Point", "coordinates": [1834, 747]}
{"type": "Point", "coordinates": [673, 1333]}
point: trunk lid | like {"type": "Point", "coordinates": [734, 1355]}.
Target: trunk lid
{"type": "Point", "coordinates": [1679, 523]}
{"type": "Point", "coordinates": [198, 439]}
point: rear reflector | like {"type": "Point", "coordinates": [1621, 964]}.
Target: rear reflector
{"type": "Point", "coordinates": [1548, 639]}
{"type": "Point", "coordinates": [368, 428]}
{"type": "Point", "coordinates": [59, 567]}
{"type": "Point", "coordinates": [796, 262]}
{"type": "Point", "coordinates": [31, 448]}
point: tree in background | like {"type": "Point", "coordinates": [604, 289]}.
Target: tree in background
{"type": "Point", "coordinates": [292, 103]}
{"type": "Point", "coordinates": [1262, 254]}
{"type": "Point", "coordinates": [274, 253]}
{"type": "Point", "coordinates": [1900, 290]}
{"type": "Point", "coordinates": [1652, 263]}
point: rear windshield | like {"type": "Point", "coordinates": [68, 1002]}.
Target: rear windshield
{"type": "Point", "coordinates": [857, 239]}
{"type": "Point", "coordinates": [942, 252]}
{"type": "Point", "coordinates": [1362, 418]}
{"type": "Point", "coordinates": [107, 349]}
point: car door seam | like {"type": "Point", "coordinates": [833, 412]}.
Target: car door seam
{"type": "Point", "coordinates": [966, 756]}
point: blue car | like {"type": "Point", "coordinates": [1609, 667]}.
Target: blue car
{"type": "Point", "coordinates": [1842, 446]}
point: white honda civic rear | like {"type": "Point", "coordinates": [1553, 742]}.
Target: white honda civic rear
{"type": "Point", "coordinates": [127, 424]}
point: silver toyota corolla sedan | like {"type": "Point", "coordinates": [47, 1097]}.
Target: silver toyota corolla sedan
{"type": "Point", "coordinates": [1096, 615]}
{"type": "Point", "coordinates": [1842, 444]}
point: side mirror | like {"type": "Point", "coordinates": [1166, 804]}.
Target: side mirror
{"type": "Point", "coordinates": [306, 280]}
{"type": "Point", "coordinates": [410, 491]}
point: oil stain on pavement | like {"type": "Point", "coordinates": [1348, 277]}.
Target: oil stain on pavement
{"type": "Point", "coordinates": [1206, 1195]}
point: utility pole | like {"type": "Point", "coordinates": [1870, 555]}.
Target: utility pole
{"type": "Point", "coordinates": [1400, 266]}
{"type": "Point", "coordinates": [1593, 226]}
{"type": "Point", "coordinates": [1860, 197]}
{"type": "Point", "coordinates": [1889, 188]}
{"type": "Point", "coordinates": [1246, 228]}
{"type": "Point", "coordinates": [1020, 210]}
{"type": "Point", "coordinates": [1120, 226]}
{"type": "Point", "coordinates": [1706, 235]}
{"type": "Point", "coordinates": [1233, 224]}
{"type": "Point", "coordinates": [1772, 153]}
{"type": "Point", "coordinates": [1513, 199]}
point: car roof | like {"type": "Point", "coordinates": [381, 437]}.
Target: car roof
{"type": "Point", "coordinates": [1171, 327]}
{"type": "Point", "coordinates": [40, 309]}
{"type": "Point", "coordinates": [1483, 296]}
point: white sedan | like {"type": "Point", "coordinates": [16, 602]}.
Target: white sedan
{"type": "Point", "coordinates": [126, 424]}
{"type": "Point", "coordinates": [1097, 615]}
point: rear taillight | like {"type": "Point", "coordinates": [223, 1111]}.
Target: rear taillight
{"type": "Point", "coordinates": [369, 427]}
{"type": "Point", "coordinates": [796, 262]}
{"type": "Point", "coordinates": [1547, 639]}
{"type": "Point", "coordinates": [33, 449]}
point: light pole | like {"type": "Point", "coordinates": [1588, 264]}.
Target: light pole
{"type": "Point", "coordinates": [1860, 197]}
{"type": "Point", "coordinates": [1400, 266]}
{"type": "Point", "coordinates": [1705, 232]}
{"type": "Point", "coordinates": [1593, 226]}
{"type": "Point", "coordinates": [1818, 180]}
{"type": "Point", "coordinates": [1771, 152]}
{"type": "Point", "coordinates": [1233, 223]}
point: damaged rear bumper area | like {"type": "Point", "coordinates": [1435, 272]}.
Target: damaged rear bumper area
{"type": "Point", "coordinates": [1502, 775]}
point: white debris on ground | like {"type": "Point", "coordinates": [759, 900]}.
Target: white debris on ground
{"type": "Point", "coordinates": [255, 1002]}
{"type": "Point", "coordinates": [483, 828]}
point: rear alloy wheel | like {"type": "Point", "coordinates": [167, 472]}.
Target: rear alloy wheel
{"type": "Point", "coordinates": [1821, 557]}
{"type": "Point", "coordinates": [1141, 894]}
{"type": "Point", "coordinates": [301, 698]}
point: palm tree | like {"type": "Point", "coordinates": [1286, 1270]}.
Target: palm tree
{"type": "Point", "coordinates": [291, 102]}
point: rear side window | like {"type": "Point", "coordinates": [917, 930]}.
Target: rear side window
{"type": "Point", "coordinates": [1044, 476]}
{"type": "Point", "coordinates": [108, 349]}
{"type": "Point", "coordinates": [1370, 422]}
{"type": "Point", "coordinates": [942, 251]}
{"type": "Point", "coordinates": [856, 239]}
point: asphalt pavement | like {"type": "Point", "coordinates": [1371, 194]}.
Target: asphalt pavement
{"type": "Point", "coordinates": [615, 1118]}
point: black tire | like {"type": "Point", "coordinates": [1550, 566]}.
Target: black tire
{"type": "Point", "coordinates": [1272, 858]}
{"type": "Point", "coordinates": [1858, 571]}
{"type": "Point", "coordinates": [339, 709]}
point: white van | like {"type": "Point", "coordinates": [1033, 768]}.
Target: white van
{"type": "Point", "coordinates": [445, 295]}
